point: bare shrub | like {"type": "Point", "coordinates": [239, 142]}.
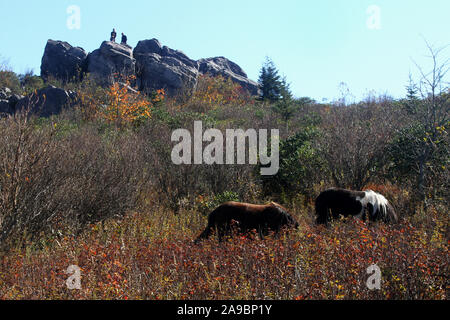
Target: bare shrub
{"type": "Point", "coordinates": [174, 184]}
{"type": "Point", "coordinates": [354, 143]}
{"type": "Point", "coordinates": [52, 178]}
{"type": "Point", "coordinates": [28, 155]}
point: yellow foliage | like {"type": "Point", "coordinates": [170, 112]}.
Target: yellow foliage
{"type": "Point", "coordinates": [124, 106]}
{"type": "Point", "coordinates": [220, 91]}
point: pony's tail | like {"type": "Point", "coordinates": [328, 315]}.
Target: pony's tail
{"type": "Point", "coordinates": [321, 212]}
{"type": "Point", "coordinates": [209, 228]}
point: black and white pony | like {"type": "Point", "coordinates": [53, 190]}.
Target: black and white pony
{"type": "Point", "coordinates": [335, 202]}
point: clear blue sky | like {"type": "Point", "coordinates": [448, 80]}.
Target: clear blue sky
{"type": "Point", "coordinates": [315, 44]}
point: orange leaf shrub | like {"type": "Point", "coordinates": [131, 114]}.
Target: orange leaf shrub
{"type": "Point", "coordinates": [125, 106]}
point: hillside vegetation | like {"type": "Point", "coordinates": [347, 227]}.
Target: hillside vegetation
{"type": "Point", "coordinates": [95, 187]}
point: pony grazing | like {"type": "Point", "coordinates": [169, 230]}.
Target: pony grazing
{"type": "Point", "coordinates": [247, 217]}
{"type": "Point", "coordinates": [355, 203]}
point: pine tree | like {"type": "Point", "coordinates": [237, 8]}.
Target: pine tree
{"type": "Point", "coordinates": [285, 105]}
{"type": "Point", "coordinates": [270, 82]}
{"type": "Point", "coordinates": [412, 102]}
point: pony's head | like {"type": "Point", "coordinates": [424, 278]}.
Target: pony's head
{"type": "Point", "coordinates": [286, 218]}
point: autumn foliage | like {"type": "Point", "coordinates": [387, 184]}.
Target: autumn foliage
{"type": "Point", "coordinates": [219, 91]}
{"type": "Point", "coordinates": [125, 106]}
{"type": "Point", "coordinates": [96, 188]}
{"type": "Point", "coordinates": [144, 257]}
{"type": "Point", "coordinates": [118, 103]}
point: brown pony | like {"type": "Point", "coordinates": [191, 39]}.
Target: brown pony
{"type": "Point", "coordinates": [247, 217]}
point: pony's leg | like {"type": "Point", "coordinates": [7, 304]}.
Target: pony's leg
{"type": "Point", "coordinates": [382, 214]}
{"type": "Point", "coordinates": [322, 213]}
{"type": "Point", "coordinates": [334, 214]}
{"type": "Point", "coordinates": [322, 219]}
{"type": "Point", "coordinates": [220, 233]}
{"type": "Point", "coordinates": [261, 233]}
{"type": "Point", "coordinates": [363, 214]}
{"type": "Point", "coordinates": [371, 209]}
{"type": "Point", "coordinates": [277, 233]}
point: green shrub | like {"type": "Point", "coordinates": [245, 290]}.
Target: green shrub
{"type": "Point", "coordinates": [11, 80]}
{"type": "Point", "coordinates": [206, 205]}
{"type": "Point", "coordinates": [301, 166]}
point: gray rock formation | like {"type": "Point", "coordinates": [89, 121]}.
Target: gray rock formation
{"type": "Point", "coordinates": [160, 67]}
{"type": "Point", "coordinates": [111, 59]}
{"type": "Point", "coordinates": [62, 61]}
{"type": "Point", "coordinates": [8, 101]}
{"type": "Point", "coordinates": [14, 100]}
{"type": "Point", "coordinates": [220, 65]}
{"type": "Point", "coordinates": [48, 101]}
{"type": "Point", "coordinates": [5, 107]}
{"type": "Point", "coordinates": [5, 93]}
{"type": "Point", "coordinates": [228, 69]}
{"type": "Point", "coordinates": [154, 66]}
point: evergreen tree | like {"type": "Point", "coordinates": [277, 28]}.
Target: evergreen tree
{"type": "Point", "coordinates": [270, 82]}
{"type": "Point", "coordinates": [412, 101]}
{"type": "Point", "coordinates": [285, 105]}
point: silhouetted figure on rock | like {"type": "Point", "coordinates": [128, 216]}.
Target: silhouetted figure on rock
{"type": "Point", "coordinates": [124, 39]}
{"type": "Point", "coordinates": [113, 35]}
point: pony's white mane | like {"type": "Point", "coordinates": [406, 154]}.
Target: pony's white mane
{"type": "Point", "coordinates": [378, 201]}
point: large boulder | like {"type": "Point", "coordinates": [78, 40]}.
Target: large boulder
{"type": "Point", "coordinates": [220, 65]}
{"type": "Point", "coordinates": [48, 101]}
{"type": "Point", "coordinates": [8, 101]}
{"type": "Point", "coordinates": [228, 69]}
{"type": "Point", "coordinates": [5, 107]}
{"type": "Point", "coordinates": [62, 61]}
{"type": "Point", "coordinates": [14, 100]}
{"type": "Point", "coordinates": [160, 67]}
{"type": "Point", "coordinates": [109, 61]}
{"type": "Point", "coordinates": [5, 93]}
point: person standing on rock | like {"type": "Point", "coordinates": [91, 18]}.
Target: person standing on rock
{"type": "Point", "coordinates": [113, 35]}
{"type": "Point", "coordinates": [124, 39]}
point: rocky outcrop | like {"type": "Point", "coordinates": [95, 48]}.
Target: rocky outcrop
{"type": "Point", "coordinates": [220, 65]}
{"type": "Point", "coordinates": [153, 65]}
{"type": "Point", "coordinates": [8, 101]}
{"type": "Point", "coordinates": [5, 107]}
{"type": "Point", "coordinates": [111, 59]}
{"type": "Point", "coordinates": [14, 100]}
{"type": "Point", "coordinates": [160, 67]}
{"type": "Point", "coordinates": [62, 61]}
{"type": "Point", "coordinates": [228, 69]}
{"type": "Point", "coordinates": [48, 101]}
{"type": "Point", "coordinates": [5, 93]}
